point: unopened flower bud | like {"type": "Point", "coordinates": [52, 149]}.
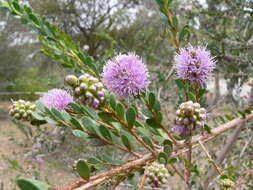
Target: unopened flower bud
{"type": "Point", "coordinates": [93, 88]}
{"type": "Point", "coordinates": [88, 94]}
{"type": "Point", "coordinates": [186, 121]}
{"type": "Point", "coordinates": [29, 112]}
{"type": "Point", "coordinates": [95, 103]}
{"type": "Point", "coordinates": [101, 94]}
{"type": "Point", "coordinates": [83, 78]}
{"type": "Point", "coordinates": [83, 85]}
{"type": "Point", "coordinates": [99, 85]}
{"type": "Point", "coordinates": [93, 79]}
{"type": "Point", "coordinates": [196, 105]}
{"type": "Point", "coordinates": [71, 80]}
{"type": "Point", "coordinates": [32, 107]}
{"type": "Point", "coordinates": [78, 91]}
{"type": "Point", "coordinates": [200, 124]}
{"type": "Point", "coordinates": [17, 116]}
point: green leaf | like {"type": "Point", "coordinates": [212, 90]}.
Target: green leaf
{"type": "Point", "coordinates": [167, 142]}
{"type": "Point", "coordinates": [167, 149]}
{"type": "Point", "coordinates": [17, 7]}
{"type": "Point", "coordinates": [65, 116]}
{"type": "Point", "coordinates": [172, 160]}
{"type": "Point", "coordinates": [242, 114]}
{"type": "Point", "coordinates": [175, 21]}
{"type": "Point", "coordinates": [91, 112]}
{"type": "Point", "coordinates": [207, 129]}
{"type": "Point", "coordinates": [33, 18]}
{"type": "Point", "coordinates": [157, 106]}
{"type": "Point", "coordinates": [106, 117]}
{"type": "Point", "coordinates": [76, 107]}
{"type": "Point", "coordinates": [179, 83]}
{"type": "Point", "coordinates": [105, 132]}
{"type": "Point", "coordinates": [192, 97]}
{"type": "Point", "coordinates": [120, 111]}
{"type": "Point", "coordinates": [40, 106]}
{"type": "Point", "coordinates": [51, 121]}
{"type": "Point", "coordinates": [185, 33]}
{"type": "Point", "coordinates": [108, 158]}
{"type": "Point", "coordinates": [152, 123]}
{"type": "Point", "coordinates": [126, 142]}
{"type": "Point", "coordinates": [148, 142]}
{"type": "Point", "coordinates": [31, 184]}
{"type": "Point", "coordinates": [37, 116]}
{"type": "Point", "coordinates": [112, 101]}
{"type": "Point", "coordinates": [76, 123]}
{"type": "Point", "coordinates": [93, 160]}
{"type": "Point", "coordinates": [87, 61]}
{"type": "Point", "coordinates": [151, 99]}
{"type": "Point", "coordinates": [56, 114]}
{"type": "Point", "coordinates": [144, 131]}
{"type": "Point", "coordinates": [130, 117]}
{"type": "Point", "coordinates": [91, 125]}
{"type": "Point", "coordinates": [83, 169]}
{"type": "Point", "coordinates": [80, 134]}
{"type": "Point", "coordinates": [162, 158]}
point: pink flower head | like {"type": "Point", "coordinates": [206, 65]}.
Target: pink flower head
{"type": "Point", "coordinates": [56, 98]}
{"type": "Point", "coordinates": [125, 75]}
{"type": "Point", "coordinates": [194, 64]}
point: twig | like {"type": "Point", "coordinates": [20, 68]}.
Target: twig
{"type": "Point", "coordinates": [221, 155]}
{"type": "Point", "coordinates": [218, 169]}
{"type": "Point", "coordinates": [155, 117]}
{"type": "Point", "coordinates": [132, 132]}
{"type": "Point", "coordinates": [177, 171]}
{"type": "Point", "coordinates": [122, 178]}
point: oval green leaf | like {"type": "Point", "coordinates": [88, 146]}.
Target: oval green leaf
{"type": "Point", "coordinates": [83, 169]}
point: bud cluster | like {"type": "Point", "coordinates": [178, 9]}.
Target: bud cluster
{"type": "Point", "coordinates": [87, 88]}
{"type": "Point", "coordinates": [22, 110]}
{"type": "Point", "coordinates": [157, 174]}
{"type": "Point", "coordinates": [226, 184]}
{"type": "Point", "coordinates": [189, 116]}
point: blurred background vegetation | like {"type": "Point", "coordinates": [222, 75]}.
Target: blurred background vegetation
{"type": "Point", "coordinates": [105, 28]}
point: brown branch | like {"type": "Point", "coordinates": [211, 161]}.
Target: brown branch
{"type": "Point", "coordinates": [102, 177]}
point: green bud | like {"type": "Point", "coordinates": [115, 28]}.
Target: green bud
{"type": "Point", "coordinates": [17, 116]}
{"type": "Point", "coordinates": [71, 80]}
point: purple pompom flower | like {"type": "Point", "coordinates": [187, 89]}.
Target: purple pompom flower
{"type": "Point", "coordinates": [56, 98]}
{"type": "Point", "coordinates": [125, 75]}
{"type": "Point", "coordinates": [194, 64]}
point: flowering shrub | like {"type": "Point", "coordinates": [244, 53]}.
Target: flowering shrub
{"type": "Point", "coordinates": [117, 109]}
